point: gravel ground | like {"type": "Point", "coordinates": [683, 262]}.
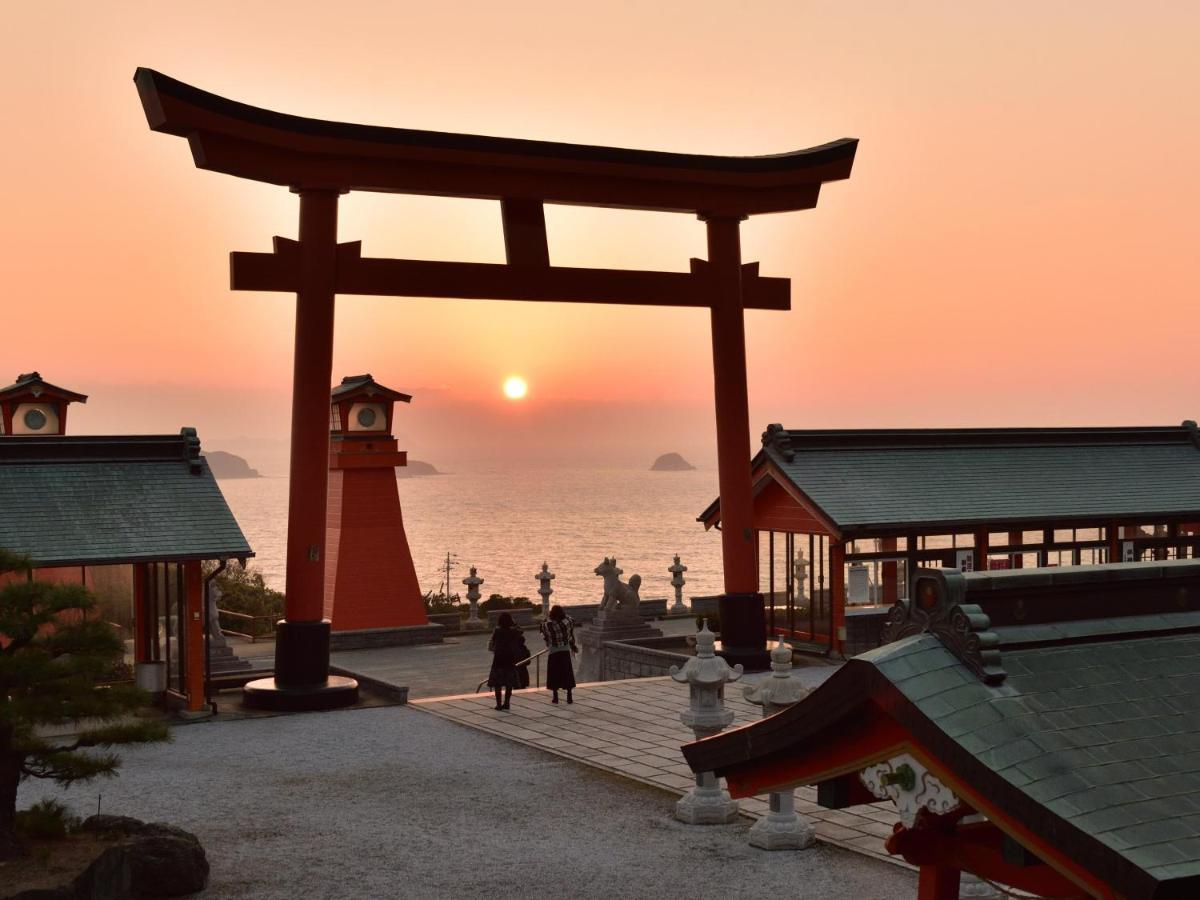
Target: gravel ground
{"type": "Point", "coordinates": [392, 802]}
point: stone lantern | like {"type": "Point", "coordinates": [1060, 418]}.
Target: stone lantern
{"type": "Point", "coordinates": [473, 622]}
{"type": "Point", "coordinates": [706, 674]}
{"type": "Point", "coordinates": [677, 582]}
{"type": "Point", "coordinates": [544, 578]}
{"type": "Point", "coordinates": [782, 828]}
{"type": "Point", "coordinates": [800, 569]}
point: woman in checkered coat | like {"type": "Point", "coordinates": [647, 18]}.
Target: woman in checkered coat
{"type": "Point", "coordinates": [559, 633]}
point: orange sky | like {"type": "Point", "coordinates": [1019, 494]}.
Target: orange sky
{"type": "Point", "coordinates": [1017, 244]}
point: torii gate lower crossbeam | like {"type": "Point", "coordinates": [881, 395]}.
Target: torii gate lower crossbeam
{"type": "Point", "coordinates": [320, 160]}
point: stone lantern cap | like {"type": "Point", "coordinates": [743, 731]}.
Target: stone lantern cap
{"type": "Point", "coordinates": [706, 668]}
{"type": "Point", "coordinates": [780, 688]}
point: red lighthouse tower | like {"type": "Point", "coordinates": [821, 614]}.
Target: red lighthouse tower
{"type": "Point", "coordinates": [372, 597]}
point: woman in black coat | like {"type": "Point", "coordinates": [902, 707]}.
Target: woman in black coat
{"type": "Point", "coordinates": [508, 648]}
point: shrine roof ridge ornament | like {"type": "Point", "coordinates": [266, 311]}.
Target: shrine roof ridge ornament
{"type": "Point", "coordinates": [937, 607]}
{"type": "Point", "coordinates": [264, 145]}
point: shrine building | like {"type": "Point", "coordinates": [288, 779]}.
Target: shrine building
{"type": "Point", "coordinates": [138, 514]}
{"type": "Point", "coordinates": [842, 518]}
{"type": "Point", "coordinates": [1035, 728]}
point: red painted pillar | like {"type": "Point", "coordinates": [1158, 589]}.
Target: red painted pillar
{"type": "Point", "coordinates": [981, 549]}
{"type": "Point", "coordinates": [837, 593]}
{"type": "Point", "coordinates": [193, 583]}
{"type": "Point", "coordinates": [890, 573]}
{"type": "Point", "coordinates": [743, 622]}
{"type": "Point", "coordinates": [312, 372]}
{"type": "Point", "coordinates": [302, 678]}
{"type": "Point", "coordinates": [938, 883]}
{"type": "Point", "coordinates": [143, 624]}
{"type": "Point", "coordinates": [1016, 539]}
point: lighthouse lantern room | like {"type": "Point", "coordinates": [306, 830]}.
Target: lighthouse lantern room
{"type": "Point", "coordinates": [31, 406]}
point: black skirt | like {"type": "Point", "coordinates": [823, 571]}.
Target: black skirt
{"type": "Point", "coordinates": [505, 677]}
{"type": "Point", "coordinates": [560, 675]}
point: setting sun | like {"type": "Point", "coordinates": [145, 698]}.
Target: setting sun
{"type": "Point", "coordinates": [515, 387]}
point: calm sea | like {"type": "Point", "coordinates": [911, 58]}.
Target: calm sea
{"type": "Point", "coordinates": [508, 520]}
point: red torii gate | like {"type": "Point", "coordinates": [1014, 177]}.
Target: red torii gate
{"type": "Point", "coordinates": [319, 160]}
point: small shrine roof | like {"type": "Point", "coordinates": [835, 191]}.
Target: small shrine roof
{"type": "Point", "coordinates": [32, 382]}
{"type": "Point", "coordinates": [107, 500]}
{"type": "Point", "coordinates": [366, 386]}
{"type": "Point", "coordinates": [1091, 741]}
{"type": "Point", "coordinates": [888, 481]}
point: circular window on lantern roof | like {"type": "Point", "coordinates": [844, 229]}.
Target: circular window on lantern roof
{"type": "Point", "coordinates": [366, 417]}
{"type": "Point", "coordinates": [35, 419]}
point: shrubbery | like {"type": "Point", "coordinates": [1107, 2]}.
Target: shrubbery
{"type": "Point", "coordinates": [57, 654]}
{"type": "Point", "coordinates": [440, 603]}
{"type": "Point", "coordinates": [46, 820]}
{"type": "Point", "coordinates": [499, 601]}
{"type": "Point", "coordinates": [245, 591]}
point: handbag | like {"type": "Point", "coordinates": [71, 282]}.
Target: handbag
{"type": "Point", "coordinates": [522, 654]}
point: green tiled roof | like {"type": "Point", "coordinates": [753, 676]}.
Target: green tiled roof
{"type": "Point", "coordinates": [865, 480]}
{"type": "Point", "coordinates": [78, 500]}
{"type": "Point", "coordinates": [1106, 736]}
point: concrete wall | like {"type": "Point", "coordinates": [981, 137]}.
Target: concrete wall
{"type": "Point", "coordinates": [641, 658]}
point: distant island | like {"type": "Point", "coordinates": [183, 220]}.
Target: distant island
{"type": "Point", "coordinates": [671, 462]}
{"type": "Point", "coordinates": [416, 468]}
{"type": "Point", "coordinates": [227, 465]}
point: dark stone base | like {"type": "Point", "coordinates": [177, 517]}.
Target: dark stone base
{"type": "Point", "coordinates": [387, 637]}
{"type": "Point", "coordinates": [302, 652]}
{"type": "Point", "coordinates": [750, 660]}
{"type": "Point", "coordinates": [267, 693]}
{"type": "Point", "coordinates": [743, 631]}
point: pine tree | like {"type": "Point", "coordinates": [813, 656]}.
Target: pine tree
{"type": "Point", "coordinates": [52, 657]}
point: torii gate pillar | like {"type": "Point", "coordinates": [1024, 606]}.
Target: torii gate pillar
{"type": "Point", "coordinates": [743, 621]}
{"type": "Point", "coordinates": [302, 679]}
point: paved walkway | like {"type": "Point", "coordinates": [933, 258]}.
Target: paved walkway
{"type": "Point", "coordinates": [632, 728]}
{"type": "Point", "coordinates": [454, 666]}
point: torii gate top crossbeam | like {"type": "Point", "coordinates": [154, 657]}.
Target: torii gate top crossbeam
{"type": "Point", "coordinates": [249, 142]}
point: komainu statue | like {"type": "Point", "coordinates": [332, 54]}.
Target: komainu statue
{"type": "Point", "coordinates": [619, 597]}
